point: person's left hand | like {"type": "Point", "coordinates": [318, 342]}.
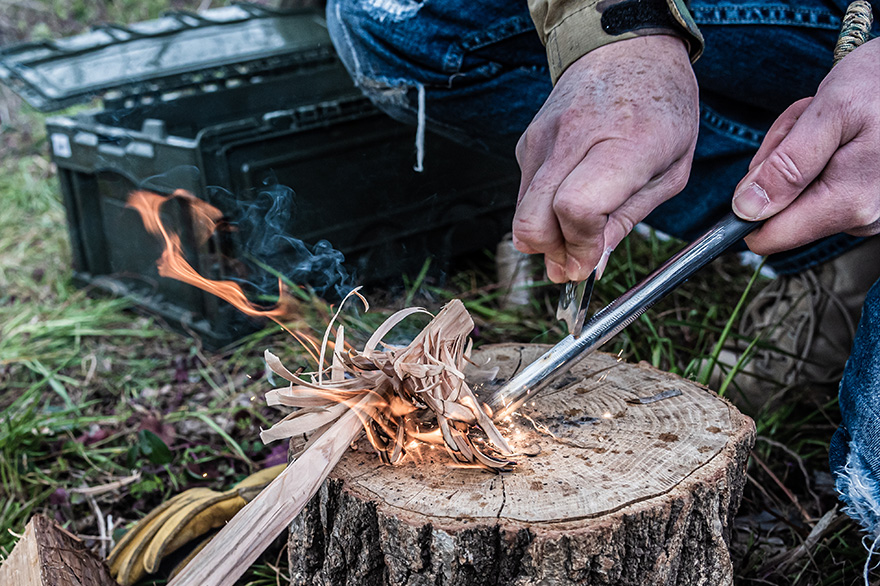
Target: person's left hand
{"type": "Point", "coordinates": [817, 172]}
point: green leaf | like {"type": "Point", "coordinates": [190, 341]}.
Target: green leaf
{"type": "Point", "coordinates": [153, 448]}
{"type": "Point", "coordinates": [149, 485]}
{"type": "Point", "coordinates": [131, 456]}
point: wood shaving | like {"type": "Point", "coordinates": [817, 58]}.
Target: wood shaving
{"type": "Point", "coordinates": [419, 392]}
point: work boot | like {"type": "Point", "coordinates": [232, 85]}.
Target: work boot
{"type": "Point", "coordinates": [805, 324]}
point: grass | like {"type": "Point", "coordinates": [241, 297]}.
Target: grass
{"type": "Point", "coordinates": [92, 390]}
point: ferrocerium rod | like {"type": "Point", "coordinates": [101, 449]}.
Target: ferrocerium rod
{"type": "Point", "coordinates": [621, 312]}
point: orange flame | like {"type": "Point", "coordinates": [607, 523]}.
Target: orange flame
{"type": "Point", "coordinates": [173, 264]}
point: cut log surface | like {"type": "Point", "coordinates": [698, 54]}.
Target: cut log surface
{"type": "Point", "coordinates": [629, 475]}
{"type": "Point", "coordinates": [47, 555]}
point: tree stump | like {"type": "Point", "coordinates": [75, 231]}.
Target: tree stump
{"type": "Point", "coordinates": [630, 475]}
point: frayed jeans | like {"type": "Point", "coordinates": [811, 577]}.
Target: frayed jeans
{"type": "Point", "coordinates": [475, 70]}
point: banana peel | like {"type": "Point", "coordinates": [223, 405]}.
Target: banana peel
{"type": "Point", "coordinates": [178, 521]}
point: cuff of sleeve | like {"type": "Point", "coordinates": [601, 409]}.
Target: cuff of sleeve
{"type": "Point", "coordinates": [590, 27]}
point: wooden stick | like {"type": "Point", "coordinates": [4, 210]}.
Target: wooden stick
{"type": "Point", "coordinates": [251, 531]}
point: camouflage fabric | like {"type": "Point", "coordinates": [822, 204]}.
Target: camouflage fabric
{"type": "Point", "coordinates": [572, 28]}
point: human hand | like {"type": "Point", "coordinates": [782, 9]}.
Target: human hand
{"type": "Point", "coordinates": [817, 172]}
{"type": "Point", "coordinates": [613, 141]}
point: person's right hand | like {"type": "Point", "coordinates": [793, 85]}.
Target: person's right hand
{"type": "Point", "coordinates": [614, 140]}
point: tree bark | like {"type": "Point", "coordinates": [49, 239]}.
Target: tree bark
{"type": "Point", "coordinates": [630, 476]}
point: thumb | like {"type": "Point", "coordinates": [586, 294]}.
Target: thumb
{"type": "Point", "coordinates": [790, 167]}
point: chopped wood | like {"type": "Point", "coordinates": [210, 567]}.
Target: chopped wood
{"type": "Point", "coordinates": [400, 396]}
{"type": "Point", "coordinates": [47, 555]}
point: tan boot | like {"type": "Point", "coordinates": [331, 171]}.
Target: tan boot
{"type": "Point", "coordinates": [805, 323]}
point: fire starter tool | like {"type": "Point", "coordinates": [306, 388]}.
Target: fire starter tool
{"type": "Point", "coordinates": [621, 312]}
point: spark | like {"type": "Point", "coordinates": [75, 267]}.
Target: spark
{"type": "Point", "coordinates": [539, 427]}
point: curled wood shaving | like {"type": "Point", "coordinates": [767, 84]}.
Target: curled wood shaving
{"type": "Point", "coordinates": [420, 392]}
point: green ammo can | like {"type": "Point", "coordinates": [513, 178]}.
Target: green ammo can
{"type": "Point", "coordinates": [228, 104]}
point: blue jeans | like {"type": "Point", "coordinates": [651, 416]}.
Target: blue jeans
{"type": "Point", "coordinates": [484, 75]}
{"type": "Point", "coordinates": [855, 448]}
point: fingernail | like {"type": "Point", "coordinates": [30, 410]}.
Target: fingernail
{"type": "Point", "coordinates": [572, 269]}
{"type": "Point", "coordinates": [603, 262]}
{"type": "Point", "coordinates": [555, 271]}
{"type": "Point", "coordinates": [751, 202]}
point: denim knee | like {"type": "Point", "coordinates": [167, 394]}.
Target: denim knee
{"type": "Point", "coordinates": [854, 454]}
{"type": "Point", "coordinates": [478, 65]}
{"type": "Point", "coordinates": [360, 53]}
